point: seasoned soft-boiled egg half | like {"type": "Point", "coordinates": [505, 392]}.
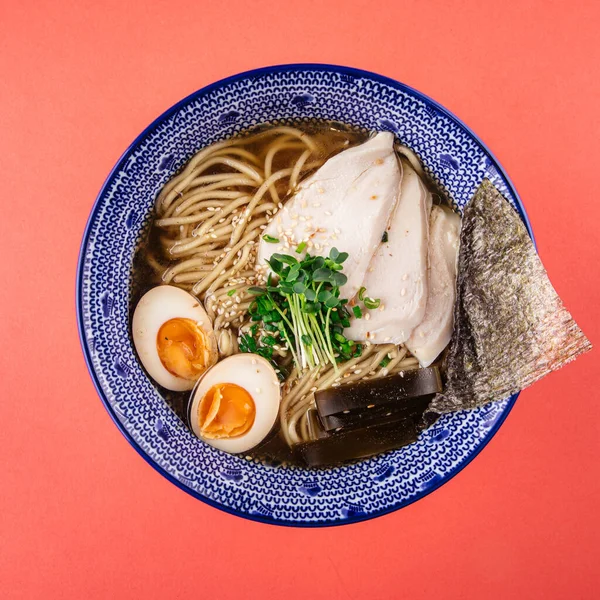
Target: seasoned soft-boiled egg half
{"type": "Point", "coordinates": [173, 337]}
{"type": "Point", "coordinates": [236, 403]}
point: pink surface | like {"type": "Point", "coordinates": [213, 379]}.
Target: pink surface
{"type": "Point", "coordinates": [81, 514]}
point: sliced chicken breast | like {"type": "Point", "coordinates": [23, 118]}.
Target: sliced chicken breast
{"type": "Point", "coordinates": [432, 335]}
{"type": "Point", "coordinates": [346, 204]}
{"type": "Point", "coordinates": [397, 274]}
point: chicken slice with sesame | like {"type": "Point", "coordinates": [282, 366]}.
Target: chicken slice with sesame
{"type": "Point", "coordinates": [397, 275]}
{"type": "Point", "coordinates": [346, 204]}
{"type": "Point", "coordinates": [432, 335]}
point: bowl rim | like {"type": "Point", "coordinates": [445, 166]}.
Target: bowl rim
{"type": "Point", "coordinates": [354, 72]}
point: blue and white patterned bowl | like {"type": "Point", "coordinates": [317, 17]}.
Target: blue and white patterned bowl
{"type": "Point", "coordinates": [452, 155]}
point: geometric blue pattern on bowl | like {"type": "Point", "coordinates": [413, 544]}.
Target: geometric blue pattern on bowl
{"type": "Point", "coordinates": [451, 154]}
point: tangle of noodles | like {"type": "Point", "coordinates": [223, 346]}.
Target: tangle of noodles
{"type": "Point", "coordinates": [209, 219]}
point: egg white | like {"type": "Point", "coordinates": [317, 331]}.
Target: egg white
{"type": "Point", "coordinates": [258, 378]}
{"type": "Point", "coordinates": [155, 308]}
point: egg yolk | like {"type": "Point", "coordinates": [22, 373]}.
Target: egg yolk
{"type": "Point", "coordinates": [181, 347]}
{"type": "Point", "coordinates": [226, 411]}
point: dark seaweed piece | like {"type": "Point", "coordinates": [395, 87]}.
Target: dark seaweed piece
{"type": "Point", "coordinates": [510, 326]}
{"type": "Point", "coordinates": [383, 391]}
{"type": "Point", "coordinates": [335, 448]}
{"type": "Point", "coordinates": [378, 415]}
{"type": "Point", "coordinates": [315, 427]}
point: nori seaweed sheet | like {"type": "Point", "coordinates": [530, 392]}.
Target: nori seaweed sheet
{"type": "Point", "coordinates": [510, 326]}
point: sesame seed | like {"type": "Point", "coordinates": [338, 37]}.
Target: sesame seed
{"type": "Point", "coordinates": [387, 339]}
{"type": "Point", "coordinates": [253, 361]}
{"type": "Point", "coordinates": [367, 316]}
{"type": "Point", "coordinates": [328, 213]}
{"type": "Point", "coordinates": [370, 406]}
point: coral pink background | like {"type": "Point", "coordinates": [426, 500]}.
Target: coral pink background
{"type": "Point", "coordinates": [81, 514]}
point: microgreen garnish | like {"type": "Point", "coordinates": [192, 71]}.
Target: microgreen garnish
{"type": "Point", "coordinates": [231, 293]}
{"type": "Point", "coordinates": [357, 312]}
{"type": "Point", "coordinates": [305, 306]}
{"type": "Point", "coordinates": [300, 248]}
{"type": "Point", "coordinates": [270, 239]}
{"type": "Point", "coordinates": [263, 347]}
{"type": "Point", "coordinates": [256, 290]}
{"type": "Point", "coordinates": [385, 362]}
{"type": "Point", "coordinates": [371, 303]}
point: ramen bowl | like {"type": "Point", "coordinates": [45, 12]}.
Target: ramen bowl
{"type": "Point", "coordinates": [453, 157]}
